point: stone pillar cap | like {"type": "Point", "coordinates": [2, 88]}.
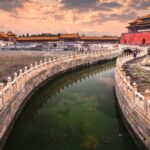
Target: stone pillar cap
{"type": "Point", "coordinates": [147, 92]}
{"type": "Point", "coordinates": [134, 84]}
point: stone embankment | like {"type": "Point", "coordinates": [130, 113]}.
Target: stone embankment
{"type": "Point", "coordinates": [15, 94]}
{"type": "Point", "coordinates": [134, 106]}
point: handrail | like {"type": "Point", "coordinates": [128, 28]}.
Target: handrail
{"type": "Point", "coordinates": [129, 90]}
{"type": "Point", "coordinates": [8, 91]}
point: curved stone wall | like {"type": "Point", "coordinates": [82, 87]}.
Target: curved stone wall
{"type": "Point", "coordinates": [134, 107]}
{"type": "Point", "coordinates": [15, 94]}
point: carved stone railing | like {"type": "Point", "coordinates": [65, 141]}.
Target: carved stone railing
{"type": "Point", "coordinates": [134, 106]}
{"type": "Point", "coordinates": [129, 90]}
{"type": "Point", "coordinates": [64, 62]}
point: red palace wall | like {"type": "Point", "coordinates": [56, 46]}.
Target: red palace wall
{"type": "Point", "coordinates": [135, 38]}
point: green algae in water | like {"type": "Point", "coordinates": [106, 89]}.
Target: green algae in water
{"type": "Point", "coordinates": [90, 142]}
{"type": "Point", "coordinates": [76, 111]}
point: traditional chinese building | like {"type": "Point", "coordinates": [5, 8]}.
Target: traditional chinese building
{"type": "Point", "coordinates": [98, 39]}
{"type": "Point", "coordinates": [11, 34]}
{"type": "Point", "coordinates": [38, 39]}
{"type": "Point", "coordinates": [3, 36]}
{"type": "Point", "coordinates": [61, 37]}
{"type": "Point", "coordinates": [69, 37]}
{"type": "Point", "coordinates": [138, 32]}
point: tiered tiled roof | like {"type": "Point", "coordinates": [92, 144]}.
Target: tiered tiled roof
{"type": "Point", "coordinates": [96, 38]}
{"type": "Point", "coordinates": [68, 36]}
{"type": "Point", "coordinates": [10, 34]}
{"type": "Point", "coordinates": [3, 35]}
{"type": "Point", "coordinates": [146, 17]}
{"type": "Point", "coordinates": [141, 21]}
{"type": "Point", "coordinates": [40, 38]}
{"type": "Point", "coordinates": [60, 37]}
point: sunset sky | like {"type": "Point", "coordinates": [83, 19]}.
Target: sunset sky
{"type": "Point", "coordinates": [90, 17]}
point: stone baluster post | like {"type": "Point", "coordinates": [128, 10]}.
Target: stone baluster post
{"type": "Point", "coordinates": [10, 87]}
{"type": "Point", "coordinates": [36, 67]}
{"type": "Point", "coordinates": [50, 62]}
{"type": "Point", "coordinates": [134, 86]}
{"type": "Point", "coordinates": [40, 62]}
{"type": "Point", "coordinates": [146, 101]}
{"type": "Point", "coordinates": [128, 81]}
{"type": "Point", "coordinates": [15, 78]}
{"type": "Point", "coordinates": [15, 75]}
{"type": "Point", "coordinates": [8, 80]}
{"type": "Point", "coordinates": [31, 67]}
{"type": "Point", "coordinates": [25, 73]}
{"type": "Point", "coordinates": [36, 63]}
{"type": "Point", "coordinates": [54, 61]}
{"type": "Point", "coordinates": [1, 99]}
{"type": "Point", "coordinates": [41, 68]}
{"type": "Point", "coordinates": [1, 94]}
{"type": "Point", "coordinates": [21, 77]}
{"type": "Point", "coordinates": [124, 84]}
{"type": "Point", "coordinates": [147, 58]}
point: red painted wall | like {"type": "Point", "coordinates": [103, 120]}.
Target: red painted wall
{"type": "Point", "coordinates": [135, 38]}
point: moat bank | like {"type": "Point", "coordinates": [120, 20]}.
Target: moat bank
{"type": "Point", "coordinates": [75, 111]}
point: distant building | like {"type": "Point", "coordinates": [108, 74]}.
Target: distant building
{"type": "Point", "coordinates": [96, 39]}
{"type": "Point", "coordinates": [138, 32]}
{"type": "Point", "coordinates": [11, 34]}
{"type": "Point", "coordinates": [73, 37]}
{"type": "Point", "coordinates": [38, 39]}
{"type": "Point", "coordinates": [69, 37]}
{"type": "Point", "coordinates": [3, 36]}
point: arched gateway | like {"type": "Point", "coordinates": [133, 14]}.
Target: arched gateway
{"type": "Point", "coordinates": [143, 42]}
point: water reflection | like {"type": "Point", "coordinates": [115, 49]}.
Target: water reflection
{"type": "Point", "coordinates": [73, 112]}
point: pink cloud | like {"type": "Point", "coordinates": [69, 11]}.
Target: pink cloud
{"type": "Point", "coordinates": [50, 16]}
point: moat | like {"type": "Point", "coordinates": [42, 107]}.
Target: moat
{"type": "Point", "coordinates": [75, 111]}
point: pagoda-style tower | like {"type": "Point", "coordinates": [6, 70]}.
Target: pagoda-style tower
{"type": "Point", "coordinates": [138, 32]}
{"type": "Point", "coordinates": [142, 23]}
{"type": "Point", "coordinates": [11, 35]}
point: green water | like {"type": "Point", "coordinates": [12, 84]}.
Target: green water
{"type": "Point", "coordinates": [76, 111]}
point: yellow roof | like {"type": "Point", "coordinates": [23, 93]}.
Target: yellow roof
{"type": "Point", "coordinates": [146, 17]}
{"type": "Point", "coordinates": [99, 38]}
{"type": "Point", "coordinates": [62, 36]}
{"type": "Point", "coordinates": [3, 35]}
{"type": "Point", "coordinates": [10, 34]}
{"type": "Point", "coordinates": [140, 20]}
{"type": "Point", "coordinates": [39, 38]}
{"type": "Point", "coordinates": [144, 22]}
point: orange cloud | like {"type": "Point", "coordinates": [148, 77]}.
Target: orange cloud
{"type": "Point", "coordinates": [50, 16]}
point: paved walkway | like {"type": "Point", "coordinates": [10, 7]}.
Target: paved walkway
{"type": "Point", "coordinates": [12, 61]}
{"type": "Point", "coordinates": [138, 73]}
